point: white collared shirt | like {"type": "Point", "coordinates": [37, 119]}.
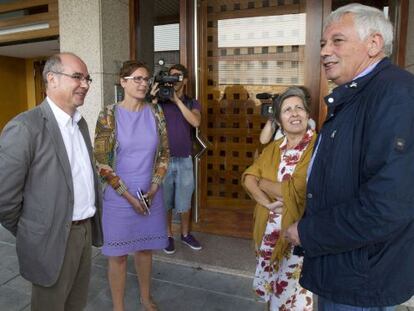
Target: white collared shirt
{"type": "Point", "coordinates": [80, 164]}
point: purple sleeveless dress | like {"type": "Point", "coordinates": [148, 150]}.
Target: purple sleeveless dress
{"type": "Point", "coordinates": [126, 231]}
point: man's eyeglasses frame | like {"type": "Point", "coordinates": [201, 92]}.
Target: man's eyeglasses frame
{"type": "Point", "coordinates": [76, 76]}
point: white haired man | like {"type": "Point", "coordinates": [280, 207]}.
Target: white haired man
{"type": "Point", "coordinates": [358, 230]}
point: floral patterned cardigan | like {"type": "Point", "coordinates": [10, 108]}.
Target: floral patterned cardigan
{"type": "Point", "coordinates": [106, 144]}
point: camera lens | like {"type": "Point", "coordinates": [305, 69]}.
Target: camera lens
{"type": "Point", "coordinates": [165, 92]}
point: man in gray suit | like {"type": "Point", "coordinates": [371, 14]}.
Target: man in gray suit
{"type": "Point", "coordinates": [49, 196]}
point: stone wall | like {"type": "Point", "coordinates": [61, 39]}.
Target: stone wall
{"type": "Point", "coordinates": [98, 32]}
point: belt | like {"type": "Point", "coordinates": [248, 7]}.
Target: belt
{"type": "Point", "coordinates": [80, 222]}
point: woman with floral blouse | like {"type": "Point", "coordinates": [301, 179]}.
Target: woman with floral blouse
{"type": "Point", "coordinates": [277, 182]}
{"type": "Point", "coordinates": [131, 151]}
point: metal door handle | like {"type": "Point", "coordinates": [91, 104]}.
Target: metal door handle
{"type": "Point", "coordinates": [204, 144]}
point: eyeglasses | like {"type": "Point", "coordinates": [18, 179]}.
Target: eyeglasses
{"type": "Point", "coordinates": [75, 76]}
{"type": "Point", "coordinates": [138, 79]}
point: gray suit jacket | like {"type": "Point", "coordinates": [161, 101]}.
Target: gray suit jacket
{"type": "Point", "coordinates": [36, 192]}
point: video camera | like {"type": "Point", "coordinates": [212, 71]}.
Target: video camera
{"type": "Point", "coordinates": [268, 109]}
{"type": "Point", "coordinates": [166, 82]}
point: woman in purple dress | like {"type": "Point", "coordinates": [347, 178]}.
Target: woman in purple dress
{"type": "Point", "coordinates": [131, 151]}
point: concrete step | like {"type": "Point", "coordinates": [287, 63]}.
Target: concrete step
{"type": "Point", "coordinates": [228, 255]}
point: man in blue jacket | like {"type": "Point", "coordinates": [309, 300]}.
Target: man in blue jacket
{"type": "Point", "coordinates": [358, 230]}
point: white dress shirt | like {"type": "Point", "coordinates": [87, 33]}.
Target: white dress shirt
{"type": "Point", "coordinates": [80, 164]}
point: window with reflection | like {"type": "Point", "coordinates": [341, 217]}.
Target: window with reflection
{"type": "Point", "coordinates": [166, 33]}
{"type": "Point", "coordinates": [265, 37]}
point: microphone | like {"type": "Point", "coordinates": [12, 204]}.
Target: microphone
{"type": "Point", "coordinates": [264, 96]}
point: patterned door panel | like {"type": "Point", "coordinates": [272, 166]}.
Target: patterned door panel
{"type": "Point", "coordinates": [248, 47]}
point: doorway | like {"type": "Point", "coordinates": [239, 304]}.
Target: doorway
{"type": "Point", "coordinates": [247, 48]}
{"type": "Point", "coordinates": [243, 48]}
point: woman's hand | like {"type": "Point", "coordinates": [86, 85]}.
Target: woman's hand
{"type": "Point", "coordinates": [135, 203]}
{"type": "Point", "coordinates": [151, 193]}
{"type": "Point", "coordinates": [276, 207]}
{"type": "Point", "coordinates": [273, 189]}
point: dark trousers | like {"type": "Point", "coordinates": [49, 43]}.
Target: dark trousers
{"type": "Point", "coordinates": [70, 292]}
{"type": "Point", "coordinates": [327, 305]}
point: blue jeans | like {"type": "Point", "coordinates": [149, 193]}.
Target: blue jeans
{"type": "Point", "coordinates": [327, 305]}
{"type": "Point", "coordinates": [178, 184]}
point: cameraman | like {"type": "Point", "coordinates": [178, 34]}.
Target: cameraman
{"type": "Point", "coordinates": [182, 115]}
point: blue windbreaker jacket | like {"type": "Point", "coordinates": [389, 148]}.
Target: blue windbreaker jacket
{"type": "Point", "coordinates": [358, 230]}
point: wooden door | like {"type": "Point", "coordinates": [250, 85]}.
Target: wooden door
{"type": "Point", "coordinates": [40, 90]}
{"type": "Point", "coordinates": [230, 76]}
{"type": "Point", "coordinates": [246, 48]}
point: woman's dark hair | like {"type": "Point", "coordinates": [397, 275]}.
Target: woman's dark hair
{"type": "Point", "coordinates": [130, 66]}
{"type": "Point", "coordinates": [181, 68]}
{"type": "Point", "coordinates": [293, 91]}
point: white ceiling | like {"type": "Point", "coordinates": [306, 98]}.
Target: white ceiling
{"type": "Point", "coordinates": [31, 50]}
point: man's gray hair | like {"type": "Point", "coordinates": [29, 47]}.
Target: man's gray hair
{"type": "Point", "coordinates": [53, 63]}
{"type": "Point", "coordinates": [368, 20]}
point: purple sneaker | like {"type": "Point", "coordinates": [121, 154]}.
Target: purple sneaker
{"type": "Point", "coordinates": [191, 241]}
{"type": "Point", "coordinates": [170, 249]}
